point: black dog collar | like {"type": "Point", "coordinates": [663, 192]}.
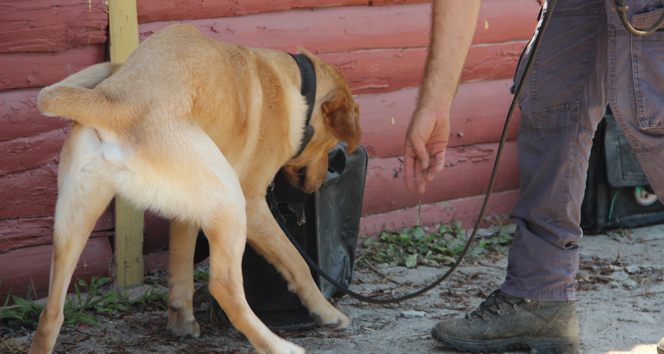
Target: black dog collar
{"type": "Point", "coordinates": [308, 90]}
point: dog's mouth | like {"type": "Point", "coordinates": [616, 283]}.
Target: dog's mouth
{"type": "Point", "coordinates": [304, 182]}
{"type": "Point", "coordinates": [302, 175]}
{"type": "Point", "coordinates": [301, 178]}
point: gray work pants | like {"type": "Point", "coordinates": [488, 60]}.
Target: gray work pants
{"type": "Point", "coordinates": [587, 61]}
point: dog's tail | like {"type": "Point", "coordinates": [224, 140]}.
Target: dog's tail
{"type": "Point", "coordinates": [75, 98]}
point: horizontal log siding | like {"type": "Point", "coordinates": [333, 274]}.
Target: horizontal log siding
{"type": "Point", "coordinates": [174, 10]}
{"type": "Point", "coordinates": [51, 25]}
{"type": "Point", "coordinates": [29, 268]}
{"type": "Point", "coordinates": [386, 70]}
{"type": "Point", "coordinates": [471, 124]}
{"type": "Point", "coordinates": [21, 70]}
{"type": "Point", "coordinates": [29, 153]}
{"type": "Point", "coordinates": [466, 173]}
{"type": "Point", "coordinates": [464, 210]}
{"type": "Point", "coordinates": [29, 194]}
{"type": "Point", "coordinates": [28, 232]}
{"type": "Point", "coordinates": [372, 71]}
{"type": "Point", "coordinates": [342, 29]}
{"type": "Point", "coordinates": [384, 118]}
{"type": "Point", "coordinates": [20, 117]}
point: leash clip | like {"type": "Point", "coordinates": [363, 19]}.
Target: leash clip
{"type": "Point", "coordinates": [620, 7]}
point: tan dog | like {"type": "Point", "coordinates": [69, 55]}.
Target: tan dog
{"type": "Point", "coordinates": [196, 130]}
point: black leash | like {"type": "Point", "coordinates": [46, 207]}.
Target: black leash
{"type": "Point", "coordinates": [275, 209]}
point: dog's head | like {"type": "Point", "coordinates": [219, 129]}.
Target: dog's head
{"type": "Point", "coordinates": [335, 118]}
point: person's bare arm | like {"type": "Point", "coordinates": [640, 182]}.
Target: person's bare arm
{"type": "Point", "coordinates": [452, 28]}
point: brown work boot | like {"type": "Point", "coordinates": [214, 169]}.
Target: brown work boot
{"type": "Point", "coordinates": [660, 346]}
{"type": "Point", "coordinates": [505, 322]}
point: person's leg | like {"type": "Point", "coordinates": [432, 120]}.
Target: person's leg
{"type": "Point", "coordinates": [564, 98]}
{"type": "Point", "coordinates": [636, 87]}
{"type": "Point", "coordinates": [636, 91]}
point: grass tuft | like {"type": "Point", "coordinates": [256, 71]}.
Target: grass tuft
{"type": "Point", "coordinates": [88, 300]}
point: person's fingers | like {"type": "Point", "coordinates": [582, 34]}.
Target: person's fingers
{"type": "Point", "coordinates": [431, 171]}
{"type": "Point", "coordinates": [419, 145]}
{"type": "Point", "coordinates": [419, 177]}
{"type": "Point", "coordinates": [436, 165]}
{"type": "Point", "coordinates": [440, 161]}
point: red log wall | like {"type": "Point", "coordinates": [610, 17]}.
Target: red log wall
{"type": "Point", "coordinates": [41, 42]}
{"type": "Point", "coordinates": [380, 46]}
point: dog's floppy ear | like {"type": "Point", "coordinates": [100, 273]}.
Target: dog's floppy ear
{"type": "Point", "coordinates": [341, 117]}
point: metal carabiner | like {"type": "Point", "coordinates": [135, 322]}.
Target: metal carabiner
{"type": "Point", "coordinates": [620, 7]}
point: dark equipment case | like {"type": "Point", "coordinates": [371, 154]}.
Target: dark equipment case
{"type": "Point", "coordinates": [325, 224]}
{"type": "Point", "coordinates": [618, 195]}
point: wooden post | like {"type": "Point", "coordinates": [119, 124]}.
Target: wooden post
{"type": "Point", "coordinates": [123, 36]}
{"type": "Point", "coordinates": [128, 244]}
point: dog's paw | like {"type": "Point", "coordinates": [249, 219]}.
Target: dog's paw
{"type": "Point", "coordinates": [184, 328]}
{"type": "Point", "coordinates": [283, 347]}
{"type": "Point", "coordinates": [333, 322]}
{"type": "Point", "coordinates": [293, 348]}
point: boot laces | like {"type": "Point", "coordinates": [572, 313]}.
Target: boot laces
{"type": "Point", "coordinates": [492, 306]}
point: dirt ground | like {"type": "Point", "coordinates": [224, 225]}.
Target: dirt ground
{"type": "Point", "coordinates": [620, 305]}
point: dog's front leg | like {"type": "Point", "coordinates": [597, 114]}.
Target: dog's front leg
{"type": "Point", "coordinates": [226, 234]}
{"type": "Point", "coordinates": [267, 238]}
{"type": "Point", "coordinates": [181, 320]}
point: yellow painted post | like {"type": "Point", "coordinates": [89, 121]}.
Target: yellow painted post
{"type": "Point", "coordinates": [123, 29]}
{"type": "Point", "coordinates": [128, 244]}
{"type": "Point", "coordinates": [123, 37]}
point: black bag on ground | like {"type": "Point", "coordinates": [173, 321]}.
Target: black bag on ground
{"type": "Point", "coordinates": [618, 194]}
{"type": "Point", "coordinates": [325, 223]}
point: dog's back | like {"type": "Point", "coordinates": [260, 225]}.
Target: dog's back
{"type": "Point", "coordinates": [179, 75]}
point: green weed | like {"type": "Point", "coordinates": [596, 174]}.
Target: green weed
{"type": "Point", "coordinates": [151, 298]}
{"type": "Point", "coordinates": [201, 276]}
{"type": "Point", "coordinates": [78, 308]}
{"type": "Point", "coordinates": [413, 246]}
{"type": "Point", "coordinates": [23, 312]}
{"type": "Point", "coordinates": [501, 238]}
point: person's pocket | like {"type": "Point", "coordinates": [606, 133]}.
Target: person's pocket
{"type": "Point", "coordinates": [644, 20]}
{"type": "Point", "coordinates": [648, 71]}
{"type": "Point", "coordinates": [558, 78]}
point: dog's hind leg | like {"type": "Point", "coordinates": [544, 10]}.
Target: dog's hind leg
{"type": "Point", "coordinates": [181, 321]}
{"type": "Point", "coordinates": [83, 194]}
{"type": "Point", "coordinates": [226, 233]}
{"type": "Point", "coordinates": [265, 236]}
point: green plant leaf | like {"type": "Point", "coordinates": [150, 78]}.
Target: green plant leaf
{"type": "Point", "coordinates": [405, 239]}
{"type": "Point", "coordinates": [418, 232]}
{"type": "Point", "coordinates": [411, 261]}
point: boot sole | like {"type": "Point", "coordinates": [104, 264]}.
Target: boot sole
{"type": "Point", "coordinates": [540, 345]}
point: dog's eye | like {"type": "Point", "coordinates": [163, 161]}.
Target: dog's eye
{"type": "Point", "coordinates": [303, 172]}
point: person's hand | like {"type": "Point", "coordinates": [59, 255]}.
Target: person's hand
{"type": "Point", "coordinates": [426, 142]}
